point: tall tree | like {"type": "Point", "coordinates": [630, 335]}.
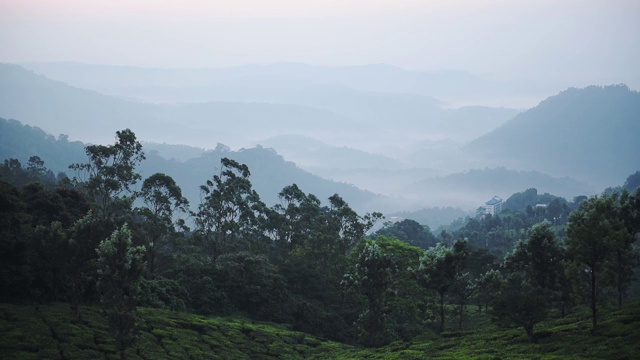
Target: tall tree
{"type": "Point", "coordinates": [439, 268]}
{"type": "Point", "coordinates": [592, 233]}
{"type": "Point", "coordinates": [519, 302]}
{"type": "Point", "coordinates": [626, 256]}
{"type": "Point", "coordinates": [295, 219]}
{"type": "Point", "coordinates": [163, 199]}
{"type": "Point", "coordinates": [110, 174]}
{"type": "Point", "coordinates": [372, 276]}
{"type": "Point", "coordinates": [230, 210]}
{"type": "Point", "coordinates": [541, 259]}
{"type": "Point", "coordinates": [486, 288]}
{"type": "Point", "coordinates": [120, 267]}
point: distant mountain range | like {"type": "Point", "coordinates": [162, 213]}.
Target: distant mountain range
{"type": "Point", "coordinates": [336, 123]}
{"type": "Point", "coordinates": [330, 112]}
{"type": "Point", "coordinates": [167, 84]}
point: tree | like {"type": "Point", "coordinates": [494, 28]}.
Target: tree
{"type": "Point", "coordinates": [633, 182]}
{"type": "Point", "coordinates": [37, 170]}
{"type": "Point", "coordinates": [541, 259]}
{"type": "Point", "coordinates": [230, 209]}
{"type": "Point", "coordinates": [253, 285]}
{"type": "Point", "coordinates": [294, 220]}
{"type": "Point", "coordinates": [519, 303]}
{"type": "Point", "coordinates": [110, 174]}
{"type": "Point", "coordinates": [591, 235]}
{"type": "Point", "coordinates": [372, 276]}
{"type": "Point", "coordinates": [163, 198]}
{"type": "Point", "coordinates": [409, 231]}
{"type": "Point", "coordinates": [14, 274]}
{"type": "Point", "coordinates": [626, 209]}
{"type": "Point", "coordinates": [120, 267]}
{"type": "Point", "coordinates": [486, 288]}
{"type": "Point", "coordinates": [439, 268]}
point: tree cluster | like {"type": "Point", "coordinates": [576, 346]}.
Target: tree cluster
{"type": "Point", "coordinates": [110, 237]}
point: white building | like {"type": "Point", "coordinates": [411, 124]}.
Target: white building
{"type": "Point", "coordinates": [493, 206]}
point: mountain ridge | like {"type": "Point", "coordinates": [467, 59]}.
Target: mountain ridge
{"type": "Point", "coordinates": [588, 134]}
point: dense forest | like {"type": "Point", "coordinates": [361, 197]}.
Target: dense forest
{"type": "Point", "coordinates": [107, 236]}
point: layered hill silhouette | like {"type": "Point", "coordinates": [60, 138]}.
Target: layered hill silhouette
{"type": "Point", "coordinates": [237, 105]}
{"type": "Point", "coordinates": [270, 172]}
{"type": "Point", "coordinates": [570, 144]}
{"type": "Point", "coordinates": [589, 134]}
{"type": "Point", "coordinates": [90, 116]}
{"type": "Point", "coordinates": [167, 84]}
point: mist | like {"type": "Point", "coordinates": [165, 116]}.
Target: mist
{"type": "Point", "coordinates": [400, 99]}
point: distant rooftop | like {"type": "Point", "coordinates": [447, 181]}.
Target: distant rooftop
{"type": "Point", "coordinates": [494, 200]}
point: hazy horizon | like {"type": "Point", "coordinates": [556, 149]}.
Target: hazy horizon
{"type": "Point", "coordinates": [385, 95]}
{"type": "Point", "coordinates": [573, 43]}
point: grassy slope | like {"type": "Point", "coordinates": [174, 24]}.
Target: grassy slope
{"type": "Point", "coordinates": [52, 332]}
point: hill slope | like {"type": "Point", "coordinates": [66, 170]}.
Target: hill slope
{"type": "Point", "coordinates": [89, 116]}
{"type": "Point", "coordinates": [443, 84]}
{"type": "Point", "coordinates": [270, 172]}
{"type": "Point", "coordinates": [590, 134]}
{"type": "Point", "coordinates": [479, 186]}
{"type": "Point", "coordinates": [53, 332]}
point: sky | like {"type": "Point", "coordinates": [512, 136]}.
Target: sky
{"type": "Point", "coordinates": [575, 41]}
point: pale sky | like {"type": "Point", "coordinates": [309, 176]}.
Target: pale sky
{"type": "Point", "coordinates": [581, 41]}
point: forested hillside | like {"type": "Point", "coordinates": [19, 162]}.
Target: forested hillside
{"type": "Point", "coordinates": [285, 179]}
{"type": "Point", "coordinates": [588, 134]}
{"type": "Point", "coordinates": [112, 237]}
{"type": "Point", "coordinates": [270, 171]}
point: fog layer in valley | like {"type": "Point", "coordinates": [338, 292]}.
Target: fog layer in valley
{"type": "Point", "coordinates": [417, 104]}
{"type": "Point", "coordinates": [414, 150]}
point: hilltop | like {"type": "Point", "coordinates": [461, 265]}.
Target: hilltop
{"type": "Point", "coordinates": [589, 134]}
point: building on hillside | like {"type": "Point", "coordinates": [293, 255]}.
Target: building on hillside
{"type": "Point", "coordinates": [493, 206]}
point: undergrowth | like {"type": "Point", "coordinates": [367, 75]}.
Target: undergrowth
{"type": "Point", "coordinates": [54, 332]}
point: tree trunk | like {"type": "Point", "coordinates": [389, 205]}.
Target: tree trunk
{"type": "Point", "coordinates": [620, 278]}
{"type": "Point", "coordinates": [441, 312]}
{"type": "Point", "coordinates": [593, 299]}
{"type": "Point", "coordinates": [529, 329]}
{"type": "Point", "coordinates": [152, 258]}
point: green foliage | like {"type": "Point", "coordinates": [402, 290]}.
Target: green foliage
{"type": "Point", "coordinates": [633, 182]}
{"type": "Point", "coordinates": [120, 267]}
{"type": "Point", "coordinates": [110, 174]}
{"type": "Point", "coordinates": [530, 197]}
{"type": "Point", "coordinates": [372, 276]}
{"type": "Point", "coordinates": [29, 332]}
{"type": "Point", "coordinates": [14, 274]}
{"type": "Point", "coordinates": [164, 201]}
{"type": "Point", "coordinates": [163, 293]}
{"type": "Point", "coordinates": [286, 264]}
{"type": "Point", "coordinates": [486, 288]}
{"type": "Point", "coordinates": [230, 210]}
{"type": "Point", "coordinates": [254, 286]}
{"type": "Point", "coordinates": [440, 268]}
{"type": "Point", "coordinates": [593, 233]}
{"type": "Point", "coordinates": [541, 260]}
{"type": "Point", "coordinates": [409, 231]}
{"type": "Point", "coordinates": [520, 303]}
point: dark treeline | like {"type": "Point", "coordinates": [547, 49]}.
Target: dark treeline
{"type": "Point", "coordinates": [109, 237]}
